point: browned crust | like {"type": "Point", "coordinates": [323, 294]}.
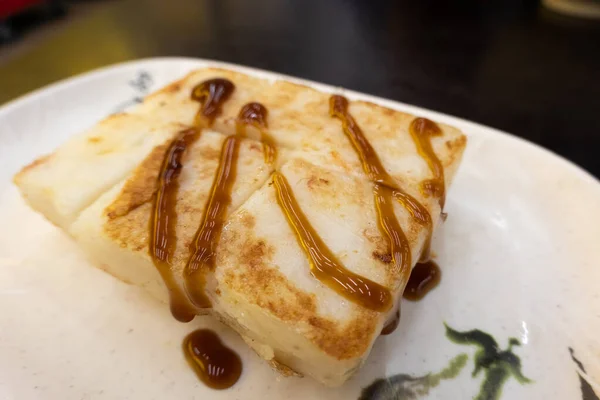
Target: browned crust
{"type": "Point", "coordinates": [266, 287]}
{"type": "Point", "coordinates": [128, 216]}
{"type": "Point", "coordinates": [130, 230]}
{"type": "Point", "coordinates": [455, 148]}
{"type": "Point", "coordinates": [171, 88]}
{"type": "Point", "coordinates": [38, 162]}
{"type": "Point", "coordinates": [141, 185]}
{"type": "Point", "coordinates": [283, 369]}
{"type": "Point", "coordinates": [385, 258]}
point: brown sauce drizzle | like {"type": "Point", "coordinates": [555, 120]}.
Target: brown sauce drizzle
{"type": "Point", "coordinates": [338, 108]}
{"type": "Point", "coordinates": [421, 130]}
{"type": "Point", "coordinates": [211, 94]}
{"type": "Point", "coordinates": [323, 264]}
{"type": "Point", "coordinates": [255, 114]}
{"type": "Point", "coordinates": [164, 222]}
{"type": "Point", "coordinates": [208, 234]}
{"type": "Point", "coordinates": [421, 215]}
{"type": "Point", "coordinates": [388, 224]}
{"type": "Point", "coordinates": [423, 278]}
{"type": "Point", "coordinates": [215, 364]}
{"type": "Point", "coordinates": [383, 189]}
{"type": "Point", "coordinates": [391, 325]}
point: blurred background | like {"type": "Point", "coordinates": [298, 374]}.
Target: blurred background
{"type": "Point", "coordinates": [516, 65]}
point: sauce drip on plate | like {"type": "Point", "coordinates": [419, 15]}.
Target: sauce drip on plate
{"type": "Point", "coordinates": [423, 278]}
{"type": "Point", "coordinates": [215, 364]}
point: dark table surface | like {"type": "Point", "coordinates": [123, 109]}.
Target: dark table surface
{"type": "Point", "coordinates": [508, 64]}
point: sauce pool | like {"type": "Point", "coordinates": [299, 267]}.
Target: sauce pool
{"type": "Point", "coordinates": [215, 364]}
{"type": "Point", "coordinates": [423, 278]}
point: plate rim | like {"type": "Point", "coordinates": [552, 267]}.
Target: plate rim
{"type": "Point", "coordinates": [470, 128]}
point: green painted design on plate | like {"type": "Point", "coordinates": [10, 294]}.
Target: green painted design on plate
{"type": "Point", "coordinates": [406, 387]}
{"type": "Point", "coordinates": [497, 365]}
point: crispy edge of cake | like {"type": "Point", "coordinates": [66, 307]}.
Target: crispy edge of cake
{"type": "Point", "coordinates": [58, 207]}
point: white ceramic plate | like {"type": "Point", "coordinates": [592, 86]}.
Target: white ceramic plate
{"type": "Point", "coordinates": [519, 252]}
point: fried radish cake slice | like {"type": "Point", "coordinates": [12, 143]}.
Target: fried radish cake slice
{"type": "Point", "coordinates": [263, 286]}
{"type": "Point", "coordinates": [62, 184]}
{"type": "Point", "coordinates": [318, 238]}
{"type": "Point", "coordinates": [115, 229]}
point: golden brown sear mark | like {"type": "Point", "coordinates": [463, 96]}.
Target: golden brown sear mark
{"type": "Point", "coordinates": [141, 188]}
{"type": "Point", "coordinates": [211, 94]}
{"type": "Point", "coordinates": [422, 130]}
{"type": "Point", "coordinates": [324, 266]}
{"type": "Point", "coordinates": [215, 364]}
{"type": "Point", "coordinates": [385, 258]}
{"type": "Point", "coordinates": [164, 221]}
